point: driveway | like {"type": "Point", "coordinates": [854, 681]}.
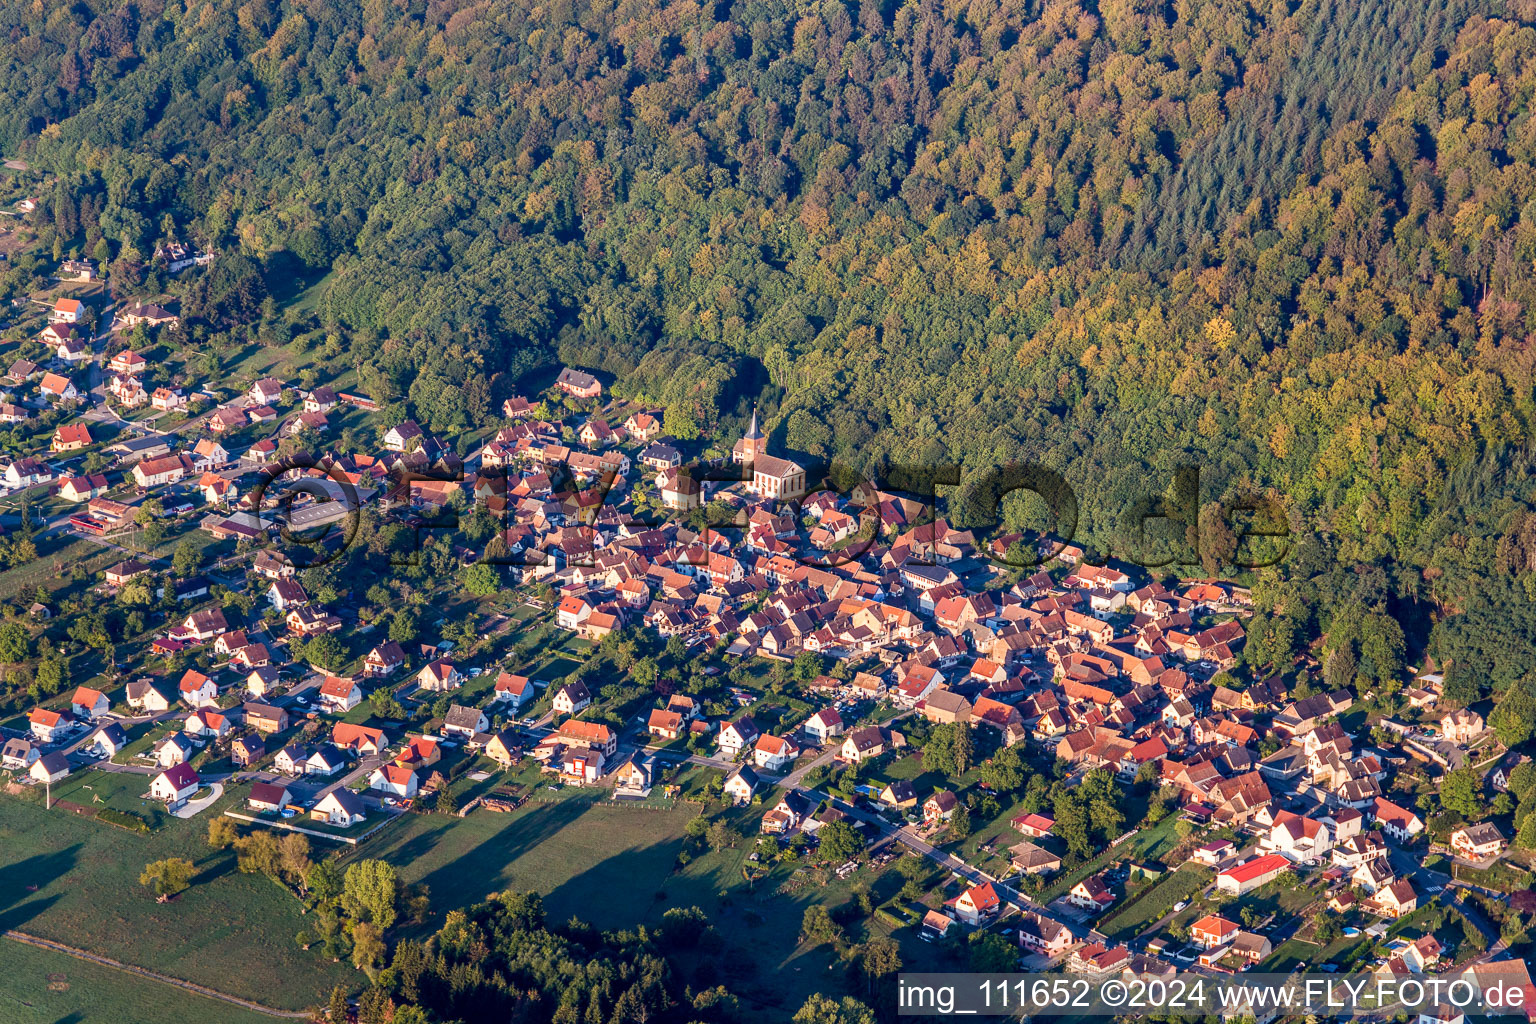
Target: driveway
{"type": "Point", "coordinates": [193, 807]}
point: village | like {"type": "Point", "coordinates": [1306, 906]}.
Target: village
{"type": "Point", "coordinates": [1078, 750]}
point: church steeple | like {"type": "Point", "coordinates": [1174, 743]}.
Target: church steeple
{"type": "Point", "coordinates": [754, 434]}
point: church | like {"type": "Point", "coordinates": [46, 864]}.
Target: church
{"type": "Point", "coordinates": [772, 477]}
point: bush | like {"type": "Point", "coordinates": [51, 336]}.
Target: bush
{"type": "Point", "coordinates": [123, 819]}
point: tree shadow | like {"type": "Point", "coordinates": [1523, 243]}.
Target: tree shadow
{"type": "Point", "coordinates": [26, 877]}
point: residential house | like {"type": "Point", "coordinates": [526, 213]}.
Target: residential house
{"type": "Point", "coordinates": [394, 780]}
{"type": "Point", "coordinates": [340, 694]}
{"type": "Point", "coordinates": [383, 660]}
{"type": "Point", "coordinates": [439, 677]}
{"type": "Point", "coordinates": [978, 905]}
{"type": "Point", "coordinates": [340, 807]}
{"type": "Point", "coordinates": [175, 785]}
{"type": "Point", "coordinates": [737, 736]}
{"type": "Point", "coordinates": [741, 785]}
{"type": "Point", "coordinates": [268, 796]}
{"type": "Point", "coordinates": [51, 768]}
{"type": "Point", "coordinates": [571, 699]}
{"type": "Point", "coordinates": [88, 703]}
{"type": "Point", "coordinates": [464, 721]}
{"type": "Point", "coordinates": [49, 726]}
{"type": "Point", "coordinates": [1479, 841]}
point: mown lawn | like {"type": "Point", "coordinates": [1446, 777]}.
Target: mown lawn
{"type": "Point", "coordinates": [39, 986]}
{"type": "Point", "coordinates": [75, 881]}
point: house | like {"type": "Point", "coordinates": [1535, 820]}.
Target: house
{"type": "Point", "coordinates": [286, 594]}
{"type": "Point", "coordinates": [1250, 946]}
{"type": "Point", "coordinates": [261, 681]}
{"type": "Point", "coordinates": [196, 689]}
{"type": "Point", "coordinates": [19, 753]}
{"type": "Point", "coordinates": [1300, 839]}
{"type": "Point", "coordinates": [737, 736]}
{"type": "Point", "coordinates": [83, 488]}
{"type": "Point", "coordinates": [1043, 935]}
{"type": "Point", "coordinates": [1036, 826]}
{"type": "Point", "coordinates": [464, 721]}
{"type": "Point", "coordinates": [1029, 859]}
{"type": "Point", "coordinates": [1212, 931]}
{"type": "Point", "coordinates": [578, 384]}
{"type": "Point", "coordinates": [89, 703]}
{"type": "Point", "coordinates": [580, 766]}
{"type": "Point", "coordinates": [206, 724]}
{"type": "Point", "coordinates": [383, 660]}
{"type": "Point", "coordinates": [127, 362]}
{"type": "Point", "coordinates": [394, 780]}
{"type": "Point", "coordinates": [899, 794]}
{"type": "Point", "coordinates": [51, 768]}
{"type": "Point", "coordinates": [247, 750]}
{"type": "Point", "coordinates": [340, 694]}
{"type": "Point", "coordinates": [663, 724]}
{"type": "Point", "coordinates": [571, 699]}
{"type": "Point", "coordinates": [159, 472]}
{"type": "Point", "coordinates": [419, 752]}
{"type": "Point", "coordinates": [27, 472]}
{"type": "Point", "coordinates": [823, 725]}
{"type": "Point", "coordinates": [361, 740]}
{"type": "Point", "coordinates": [1477, 842]}
{"type": "Point", "coordinates": [1250, 875]}
{"type": "Point", "coordinates": [978, 905]}
{"type": "Point", "coordinates": [589, 734]}
{"type": "Point", "coordinates": [70, 437]}
{"type": "Point", "coordinates": [1394, 900]}
{"type": "Point", "coordinates": [504, 749]}
{"type": "Point", "coordinates": [202, 626]}
{"type": "Point", "coordinates": [774, 752]}
{"type": "Point", "coordinates": [108, 740]}
{"type": "Point", "coordinates": [516, 689]}
{"type": "Point", "coordinates": [1214, 852]}
{"type": "Point", "coordinates": [403, 437]}
{"type": "Point", "coordinates": [1398, 822]}
{"type": "Point", "coordinates": [311, 620]}
{"type": "Point", "coordinates": [326, 760]}
{"type": "Point", "coordinates": [175, 785]}
{"type": "Point", "coordinates": [340, 807]}
{"type": "Point", "coordinates": [50, 726]}
{"type": "Point", "coordinates": [1463, 726]}
{"type": "Point", "coordinates": [862, 744]}
{"type": "Point", "coordinates": [67, 311]}
{"type": "Point", "coordinates": [56, 388]}
{"type": "Point", "coordinates": [167, 399]}
{"type": "Point", "coordinates": [1092, 894]}
{"type": "Point", "coordinates": [208, 454]}
{"type": "Point", "coordinates": [266, 391]}
{"type": "Point", "coordinates": [940, 806]}
{"type": "Point", "coordinates": [268, 796]}
{"type": "Point", "coordinates": [741, 785]}
{"type": "Point", "coordinates": [291, 760]}
{"type": "Point", "coordinates": [173, 750]}
{"type": "Point", "coordinates": [439, 676]}
{"type": "Point", "coordinates": [946, 707]}
{"type": "Point", "coordinates": [147, 314]}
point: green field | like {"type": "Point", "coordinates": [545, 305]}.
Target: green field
{"type": "Point", "coordinates": [615, 867]}
{"type": "Point", "coordinates": [75, 881]}
{"type": "Point", "coordinates": [42, 987]}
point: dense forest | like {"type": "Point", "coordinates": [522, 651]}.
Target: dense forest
{"type": "Point", "coordinates": [1288, 243]}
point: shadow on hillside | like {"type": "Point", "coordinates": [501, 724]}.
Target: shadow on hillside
{"type": "Point", "coordinates": [486, 861]}
{"type": "Point", "coordinates": [24, 878]}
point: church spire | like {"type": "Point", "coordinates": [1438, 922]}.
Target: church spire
{"type": "Point", "coordinates": [754, 434]}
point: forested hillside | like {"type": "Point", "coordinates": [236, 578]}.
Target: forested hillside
{"type": "Point", "coordinates": [1290, 243]}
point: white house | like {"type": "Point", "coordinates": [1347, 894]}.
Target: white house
{"type": "Point", "coordinates": [340, 807]}
{"type": "Point", "coordinates": [175, 785]}
{"type": "Point", "coordinates": [89, 703]}
{"type": "Point", "coordinates": [773, 752]}
{"type": "Point", "coordinates": [394, 780]}
{"type": "Point", "coordinates": [464, 721]}
{"type": "Point", "coordinates": [197, 689]}
{"type": "Point", "coordinates": [340, 694]}
{"type": "Point", "coordinates": [737, 736]}
{"type": "Point", "coordinates": [823, 725]}
{"type": "Point", "coordinates": [439, 676]}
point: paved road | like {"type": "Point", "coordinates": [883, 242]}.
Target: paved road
{"type": "Point", "coordinates": [193, 807]}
